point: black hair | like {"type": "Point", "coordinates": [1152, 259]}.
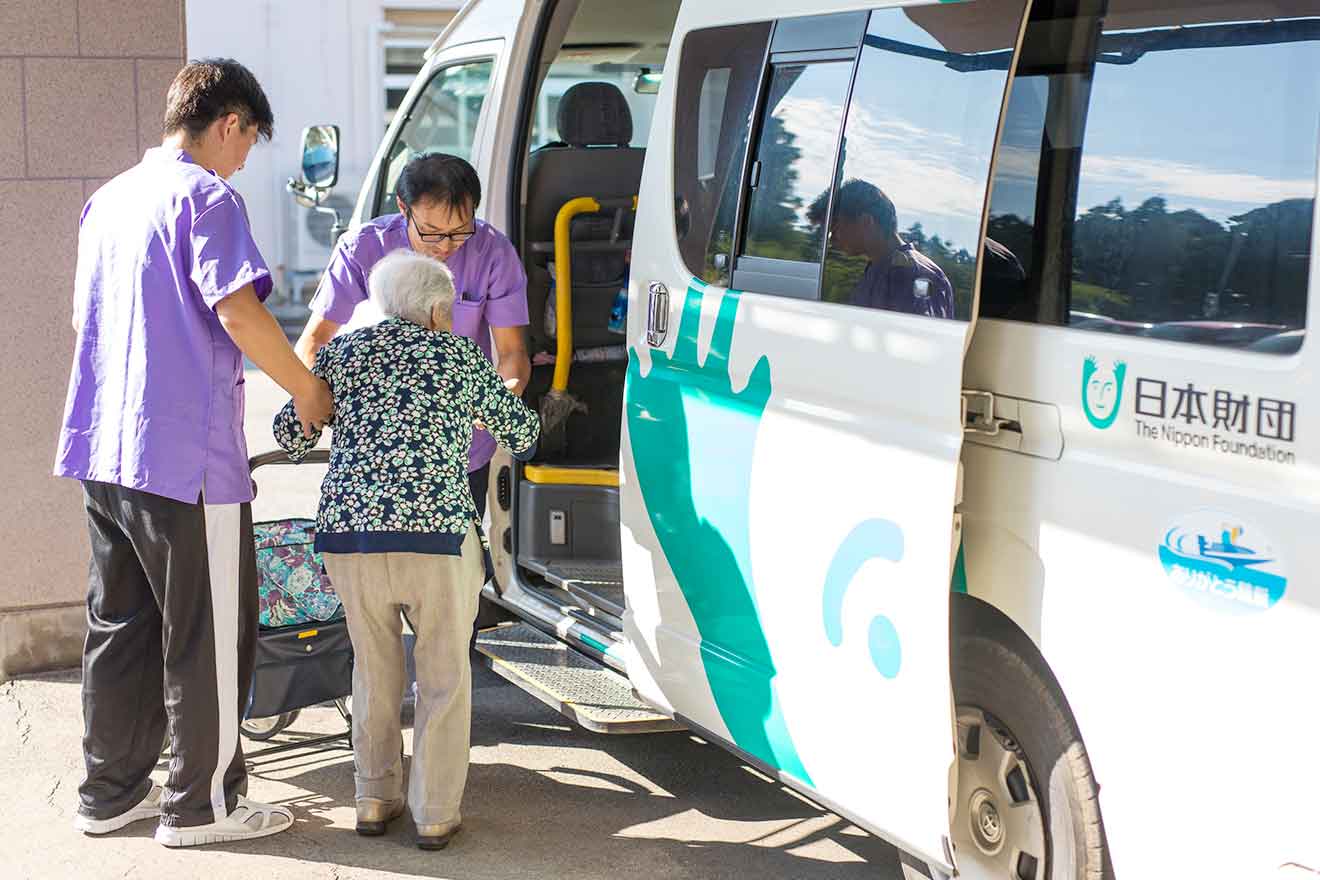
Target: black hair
{"type": "Point", "coordinates": [205, 90]}
{"type": "Point", "coordinates": [441, 178]}
{"type": "Point", "coordinates": [857, 198]}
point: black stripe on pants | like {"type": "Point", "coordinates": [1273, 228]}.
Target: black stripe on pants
{"type": "Point", "coordinates": [171, 634]}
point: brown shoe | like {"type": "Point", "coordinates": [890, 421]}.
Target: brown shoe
{"type": "Point", "coordinates": [434, 837]}
{"type": "Point", "coordinates": [374, 814]}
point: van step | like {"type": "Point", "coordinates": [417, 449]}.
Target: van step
{"type": "Point", "coordinates": [597, 582]}
{"type": "Point", "coordinates": [595, 697]}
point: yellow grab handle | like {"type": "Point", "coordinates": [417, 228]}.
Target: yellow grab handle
{"type": "Point", "coordinates": [564, 287]}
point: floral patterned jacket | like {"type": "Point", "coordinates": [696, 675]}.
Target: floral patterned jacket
{"type": "Point", "coordinates": [405, 399]}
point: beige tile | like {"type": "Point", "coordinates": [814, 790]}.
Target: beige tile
{"type": "Point", "coordinates": [81, 117]}
{"type": "Point", "coordinates": [43, 553]}
{"type": "Point", "coordinates": [128, 28]}
{"type": "Point", "coordinates": [91, 185]}
{"type": "Point", "coordinates": [11, 118]}
{"type": "Point", "coordinates": [153, 78]}
{"type": "Point", "coordinates": [38, 27]}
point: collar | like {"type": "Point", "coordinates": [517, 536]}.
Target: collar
{"type": "Point", "coordinates": [172, 154]}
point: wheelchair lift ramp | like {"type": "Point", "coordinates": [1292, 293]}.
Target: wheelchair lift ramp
{"type": "Point", "coordinates": [594, 696]}
{"type": "Point", "coordinates": [596, 582]}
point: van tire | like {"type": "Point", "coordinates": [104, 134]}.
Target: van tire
{"type": "Point", "coordinates": [998, 671]}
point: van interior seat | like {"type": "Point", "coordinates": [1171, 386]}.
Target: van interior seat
{"type": "Point", "coordinates": [594, 159]}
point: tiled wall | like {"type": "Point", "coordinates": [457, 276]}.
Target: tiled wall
{"type": "Point", "coordinates": [82, 93]}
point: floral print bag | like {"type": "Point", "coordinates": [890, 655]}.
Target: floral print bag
{"type": "Point", "coordinates": [292, 585]}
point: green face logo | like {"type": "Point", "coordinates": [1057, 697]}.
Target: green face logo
{"type": "Point", "coordinates": [1102, 392]}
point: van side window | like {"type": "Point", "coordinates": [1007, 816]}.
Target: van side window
{"type": "Point", "coordinates": [905, 214]}
{"type": "Point", "coordinates": [443, 119]}
{"type": "Point", "coordinates": [1157, 175]}
{"type": "Point", "coordinates": [717, 82]}
{"type": "Point", "coordinates": [795, 152]}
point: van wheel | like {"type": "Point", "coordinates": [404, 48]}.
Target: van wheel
{"type": "Point", "coordinates": [1026, 805]}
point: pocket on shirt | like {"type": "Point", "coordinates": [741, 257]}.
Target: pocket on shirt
{"type": "Point", "coordinates": [240, 402]}
{"type": "Point", "coordinates": [467, 316]}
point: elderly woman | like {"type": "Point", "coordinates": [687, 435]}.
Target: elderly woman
{"type": "Point", "coordinates": [398, 529]}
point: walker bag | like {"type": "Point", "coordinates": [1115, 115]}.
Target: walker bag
{"type": "Point", "coordinates": [292, 585]}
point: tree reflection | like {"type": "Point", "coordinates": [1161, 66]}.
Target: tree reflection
{"type": "Point", "coordinates": [1154, 265]}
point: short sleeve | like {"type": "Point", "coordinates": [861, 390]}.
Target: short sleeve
{"type": "Point", "coordinates": [343, 285]}
{"type": "Point", "coordinates": [225, 257]}
{"type": "Point", "coordinates": [506, 286]}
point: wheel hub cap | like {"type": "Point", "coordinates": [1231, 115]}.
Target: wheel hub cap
{"type": "Point", "coordinates": [998, 830]}
{"type": "Point", "coordinates": [987, 828]}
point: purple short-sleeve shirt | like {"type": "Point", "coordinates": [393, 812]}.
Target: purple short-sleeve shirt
{"type": "Point", "coordinates": [910, 282]}
{"type": "Point", "coordinates": [155, 397]}
{"type": "Point", "coordinates": [489, 281]}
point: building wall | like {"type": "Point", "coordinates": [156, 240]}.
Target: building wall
{"type": "Point", "coordinates": [82, 94]}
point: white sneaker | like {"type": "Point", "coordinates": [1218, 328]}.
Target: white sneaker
{"type": "Point", "coordinates": [148, 808]}
{"type": "Point", "coordinates": [249, 820]}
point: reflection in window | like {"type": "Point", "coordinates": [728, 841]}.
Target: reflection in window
{"type": "Point", "coordinates": [710, 119]}
{"type": "Point", "coordinates": [794, 156]}
{"type": "Point", "coordinates": [1161, 182]}
{"type": "Point", "coordinates": [906, 213]}
{"type": "Point", "coordinates": [717, 84]}
{"type": "Point", "coordinates": [443, 119]}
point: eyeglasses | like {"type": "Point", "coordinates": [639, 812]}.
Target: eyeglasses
{"type": "Point", "coordinates": [437, 237]}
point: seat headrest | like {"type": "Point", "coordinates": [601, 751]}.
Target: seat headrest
{"type": "Point", "coordinates": [595, 114]}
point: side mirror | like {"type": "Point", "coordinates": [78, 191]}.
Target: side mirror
{"type": "Point", "coordinates": [320, 156]}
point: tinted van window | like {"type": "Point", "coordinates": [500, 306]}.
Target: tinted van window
{"type": "Point", "coordinates": [795, 152]}
{"type": "Point", "coordinates": [915, 160]}
{"type": "Point", "coordinates": [1157, 175]}
{"type": "Point", "coordinates": [717, 81]}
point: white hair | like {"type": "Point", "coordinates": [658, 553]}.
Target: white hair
{"type": "Point", "coordinates": [409, 285]}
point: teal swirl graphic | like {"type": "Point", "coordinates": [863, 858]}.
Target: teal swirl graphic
{"type": "Point", "coordinates": [873, 539]}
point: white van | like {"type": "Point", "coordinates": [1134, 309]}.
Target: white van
{"type": "Point", "coordinates": [954, 467]}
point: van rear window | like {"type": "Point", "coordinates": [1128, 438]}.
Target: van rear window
{"type": "Point", "coordinates": [1157, 175]}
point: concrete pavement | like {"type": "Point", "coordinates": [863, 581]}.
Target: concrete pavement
{"type": "Point", "coordinates": [545, 799]}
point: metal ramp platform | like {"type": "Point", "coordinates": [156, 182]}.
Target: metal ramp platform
{"type": "Point", "coordinates": [580, 688]}
{"type": "Point", "coordinates": [596, 582]}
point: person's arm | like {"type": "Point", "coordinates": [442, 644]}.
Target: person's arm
{"type": "Point", "coordinates": [319, 331]}
{"type": "Point", "coordinates": [232, 279]}
{"type": "Point", "coordinates": [342, 288]}
{"type": "Point", "coordinates": [288, 435]}
{"type": "Point", "coordinates": [511, 422]}
{"type": "Point", "coordinates": [506, 312]}
{"type": "Point", "coordinates": [515, 365]}
{"type": "Point", "coordinates": [257, 334]}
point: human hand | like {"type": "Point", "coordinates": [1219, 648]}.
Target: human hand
{"type": "Point", "coordinates": [314, 406]}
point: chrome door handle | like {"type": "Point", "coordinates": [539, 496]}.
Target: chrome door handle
{"type": "Point", "coordinates": [984, 418]}
{"type": "Point", "coordinates": [657, 315]}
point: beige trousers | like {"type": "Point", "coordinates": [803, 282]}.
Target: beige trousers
{"type": "Point", "coordinates": [439, 595]}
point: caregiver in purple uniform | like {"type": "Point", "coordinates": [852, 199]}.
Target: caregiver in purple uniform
{"type": "Point", "coordinates": [438, 195]}
{"type": "Point", "coordinates": [167, 300]}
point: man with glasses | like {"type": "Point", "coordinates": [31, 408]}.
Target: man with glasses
{"type": "Point", "coordinates": [437, 195]}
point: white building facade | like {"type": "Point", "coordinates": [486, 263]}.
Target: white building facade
{"type": "Point", "coordinates": [341, 62]}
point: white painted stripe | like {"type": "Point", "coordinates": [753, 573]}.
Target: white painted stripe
{"type": "Point", "coordinates": [223, 525]}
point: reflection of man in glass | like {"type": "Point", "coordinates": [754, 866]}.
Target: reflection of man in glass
{"type": "Point", "coordinates": [898, 277]}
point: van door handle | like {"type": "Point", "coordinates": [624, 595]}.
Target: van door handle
{"type": "Point", "coordinates": [657, 315]}
{"type": "Point", "coordinates": [1015, 424]}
